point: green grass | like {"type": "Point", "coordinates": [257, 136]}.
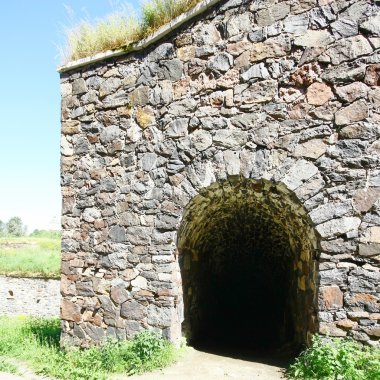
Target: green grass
{"type": "Point", "coordinates": [6, 366]}
{"type": "Point", "coordinates": [336, 359]}
{"type": "Point", "coordinates": [30, 257]}
{"type": "Point", "coordinates": [121, 29]}
{"type": "Point", "coordinates": [36, 342]}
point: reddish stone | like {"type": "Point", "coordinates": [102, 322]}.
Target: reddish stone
{"type": "Point", "coordinates": [364, 199]}
{"type": "Point", "coordinates": [145, 293]}
{"type": "Point", "coordinates": [239, 47]}
{"type": "Point", "coordinates": [354, 112]}
{"type": "Point", "coordinates": [119, 294]}
{"type": "Point", "coordinates": [330, 297]}
{"type": "Point", "coordinates": [319, 94]}
{"type": "Point", "coordinates": [299, 111]}
{"type": "Point", "coordinates": [372, 76]}
{"type": "Point", "coordinates": [180, 88]}
{"type": "Point", "coordinates": [99, 223]}
{"type": "Point", "coordinates": [306, 75]}
{"type": "Point", "coordinates": [165, 292]}
{"type": "Point", "coordinates": [352, 91]}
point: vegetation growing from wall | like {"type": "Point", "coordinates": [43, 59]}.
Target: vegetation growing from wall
{"type": "Point", "coordinates": [36, 341]}
{"type": "Point", "coordinates": [121, 29]}
{"type": "Point", "coordinates": [332, 359]}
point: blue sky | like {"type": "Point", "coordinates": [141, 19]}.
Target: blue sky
{"type": "Point", "coordinates": [30, 33]}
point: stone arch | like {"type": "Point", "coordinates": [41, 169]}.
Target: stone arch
{"type": "Point", "coordinates": [247, 255]}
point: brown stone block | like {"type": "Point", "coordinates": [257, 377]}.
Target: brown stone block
{"type": "Point", "coordinates": [93, 139]}
{"type": "Point", "coordinates": [186, 53]}
{"type": "Point", "coordinates": [70, 127]}
{"type": "Point", "coordinates": [330, 329]}
{"type": "Point", "coordinates": [330, 297]}
{"type": "Point", "coordinates": [183, 39]}
{"type": "Point", "coordinates": [374, 331]}
{"type": "Point", "coordinates": [70, 311]}
{"type": "Point", "coordinates": [346, 324]}
{"type": "Point", "coordinates": [355, 315]}
{"type": "Point", "coordinates": [363, 300]}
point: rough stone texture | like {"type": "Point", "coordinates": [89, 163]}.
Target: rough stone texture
{"type": "Point", "coordinates": [318, 94]}
{"type": "Point", "coordinates": [29, 296]}
{"type": "Point", "coordinates": [273, 109]}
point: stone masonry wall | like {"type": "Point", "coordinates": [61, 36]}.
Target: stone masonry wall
{"type": "Point", "coordinates": [29, 296]}
{"type": "Point", "coordinates": [281, 91]}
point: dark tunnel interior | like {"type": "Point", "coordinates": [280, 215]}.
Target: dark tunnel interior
{"type": "Point", "coordinates": [241, 273]}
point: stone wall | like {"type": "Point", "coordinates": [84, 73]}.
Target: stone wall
{"type": "Point", "coordinates": [29, 296]}
{"type": "Point", "coordinates": [270, 92]}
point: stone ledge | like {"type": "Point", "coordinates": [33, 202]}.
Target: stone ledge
{"type": "Point", "coordinates": [144, 43]}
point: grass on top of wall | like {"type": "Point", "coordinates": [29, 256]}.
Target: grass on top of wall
{"type": "Point", "coordinates": [30, 257]}
{"type": "Point", "coordinates": [121, 29]}
{"type": "Point", "coordinates": [35, 342]}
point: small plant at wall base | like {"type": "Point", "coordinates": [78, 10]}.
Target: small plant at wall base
{"type": "Point", "coordinates": [120, 29]}
{"type": "Point", "coordinates": [336, 359]}
{"type": "Point", "coordinates": [36, 342]}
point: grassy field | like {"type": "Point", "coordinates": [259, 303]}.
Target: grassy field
{"type": "Point", "coordinates": [30, 257]}
{"type": "Point", "coordinates": [35, 342]}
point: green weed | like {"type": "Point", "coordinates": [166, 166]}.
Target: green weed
{"type": "Point", "coordinates": [36, 341]}
{"type": "Point", "coordinates": [336, 359]}
{"type": "Point", "coordinates": [5, 366]}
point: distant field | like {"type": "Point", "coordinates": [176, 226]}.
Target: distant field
{"type": "Point", "coordinates": [30, 257]}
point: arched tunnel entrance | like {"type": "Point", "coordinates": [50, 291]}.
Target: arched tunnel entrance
{"type": "Point", "coordinates": [246, 252]}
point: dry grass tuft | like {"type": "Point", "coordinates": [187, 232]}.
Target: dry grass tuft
{"type": "Point", "coordinates": [120, 29]}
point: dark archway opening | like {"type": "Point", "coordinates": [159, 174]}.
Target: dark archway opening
{"type": "Point", "coordinates": [245, 285]}
{"type": "Point", "coordinates": [247, 269]}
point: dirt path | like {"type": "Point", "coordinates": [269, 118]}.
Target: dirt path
{"type": "Point", "coordinates": [198, 365]}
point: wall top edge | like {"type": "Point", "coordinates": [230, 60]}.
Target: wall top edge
{"type": "Point", "coordinates": [144, 43]}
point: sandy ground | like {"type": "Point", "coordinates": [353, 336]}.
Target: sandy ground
{"type": "Point", "coordinates": [200, 365]}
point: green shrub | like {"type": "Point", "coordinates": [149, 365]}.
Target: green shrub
{"type": "Point", "coordinates": [50, 234]}
{"type": "Point", "coordinates": [336, 359]}
{"type": "Point", "coordinates": [36, 341]}
{"type": "Point", "coordinates": [5, 366]}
